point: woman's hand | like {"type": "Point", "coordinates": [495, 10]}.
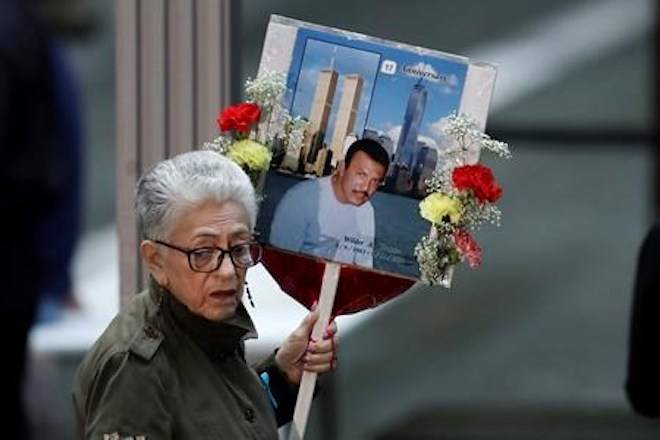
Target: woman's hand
{"type": "Point", "coordinates": [300, 353]}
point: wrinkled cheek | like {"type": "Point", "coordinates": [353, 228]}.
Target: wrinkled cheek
{"type": "Point", "coordinates": [197, 293]}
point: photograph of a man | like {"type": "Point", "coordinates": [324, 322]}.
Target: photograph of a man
{"type": "Point", "coordinates": [331, 217]}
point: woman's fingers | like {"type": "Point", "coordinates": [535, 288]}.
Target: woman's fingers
{"type": "Point", "coordinates": [323, 346]}
{"type": "Point", "coordinates": [321, 356]}
{"type": "Point", "coordinates": [331, 330]}
{"type": "Point", "coordinates": [324, 368]}
{"type": "Point", "coordinates": [317, 359]}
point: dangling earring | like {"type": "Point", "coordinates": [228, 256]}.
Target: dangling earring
{"type": "Point", "coordinates": [249, 294]}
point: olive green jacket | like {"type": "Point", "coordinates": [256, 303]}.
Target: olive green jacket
{"type": "Point", "coordinates": [160, 372]}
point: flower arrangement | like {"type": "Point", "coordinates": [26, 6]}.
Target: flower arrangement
{"type": "Point", "coordinates": [461, 197]}
{"type": "Point", "coordinates": [258, 132]}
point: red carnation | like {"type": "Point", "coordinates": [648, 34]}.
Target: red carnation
{"type": "Point", "coordinates": [480, 180]}
{"type": "Point", "coordinates": [468, 247]}
{"type": "Point", "coordinates": [239, 117]}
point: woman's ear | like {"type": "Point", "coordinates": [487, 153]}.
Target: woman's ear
{"type": "Point", "coordinates": [153, 258]}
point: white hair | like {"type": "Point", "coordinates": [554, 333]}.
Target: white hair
{"type": "Point", "coordinates": [177, 184]}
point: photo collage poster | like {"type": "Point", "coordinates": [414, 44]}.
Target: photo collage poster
{"type": "Point", "coordinates": [391, 99]}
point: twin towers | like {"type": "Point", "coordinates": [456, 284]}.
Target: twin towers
{"type": "Point", "coordinates": [318, 157]}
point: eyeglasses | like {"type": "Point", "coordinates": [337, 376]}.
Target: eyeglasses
{"type": "Point", "coordinates": [209, 259]}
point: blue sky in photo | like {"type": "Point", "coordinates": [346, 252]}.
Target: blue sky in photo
{"type": "Point", "coordinates": [384, 96]}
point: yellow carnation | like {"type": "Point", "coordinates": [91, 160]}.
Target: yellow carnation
{"type": "Point", "coordinates": [250, 154]}
{"type": "Point", "coordinates": [437, 207]}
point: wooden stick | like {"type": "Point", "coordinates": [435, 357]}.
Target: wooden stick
{"type": "Point", "coordinates": [308, 381]}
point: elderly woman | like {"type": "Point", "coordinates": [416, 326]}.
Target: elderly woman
{"type": "Point", "coordinates": [171, 365]}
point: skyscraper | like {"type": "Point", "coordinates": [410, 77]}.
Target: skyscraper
{"type": "Point", "coordinates": [346, 114]}
{"type": "Point", "coordinates": [319, 114]}
{"type": "Point", "coordinates": [427, 159]}
{"type": "Point", "coordinates": [384, 140]}
{"type": "Point", "coordinates": [412, 120]}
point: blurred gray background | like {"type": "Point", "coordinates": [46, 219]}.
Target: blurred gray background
{"type": "Point", "coordinates": [531, 345]}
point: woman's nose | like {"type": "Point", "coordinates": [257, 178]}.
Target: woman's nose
{"type": "Point", "coordinates": [226, 267]}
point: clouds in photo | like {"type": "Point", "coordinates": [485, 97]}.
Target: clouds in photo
{"type": "Point", "coordinates": [394, 133]}
{"type": "Point", "coordinates": [437, 128]}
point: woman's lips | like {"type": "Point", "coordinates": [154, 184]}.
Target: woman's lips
{"type": "Point", "coordinates": [229, 293]}
{"type": "Point", "coordinates": [224, 298]}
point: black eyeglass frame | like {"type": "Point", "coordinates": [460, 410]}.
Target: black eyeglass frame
{"type": "Point", "coordinates": [189, 252]}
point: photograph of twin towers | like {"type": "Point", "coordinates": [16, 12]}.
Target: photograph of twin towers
{"type": "Point", "coordinates": [350, 88]}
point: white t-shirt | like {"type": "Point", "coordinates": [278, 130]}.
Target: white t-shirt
{"type": "Point", "coordinates": [309, 219]}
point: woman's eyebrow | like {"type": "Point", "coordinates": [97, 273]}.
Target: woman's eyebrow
{"type": "Point", "coordinates": [204, 235]}
{"type": "Point", "coordinates": [237, 231]}
{"type": "Point", "coordinates": [242, 232]}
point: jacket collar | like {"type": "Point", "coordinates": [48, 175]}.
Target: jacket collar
{"type": "Point", "coordinates": [216, 339]}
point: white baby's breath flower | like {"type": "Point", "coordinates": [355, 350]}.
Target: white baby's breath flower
{"type": "Point", "coordinates": [220, 145]}
{"type": "Point", "coordinates": [441, 181]}
{"type": "Point", "coordinates": [458, 126]}
{"type": "Point", "coordinates": [434, 256]}
{"type": "Point", "coordinates": [296, 132]}
{"type": "Point", "coordinates": [499, 148]}
{"type": "Point", "coordinates": [266, 90]}
{"type": "Point", "coordinates": [464, 135]}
